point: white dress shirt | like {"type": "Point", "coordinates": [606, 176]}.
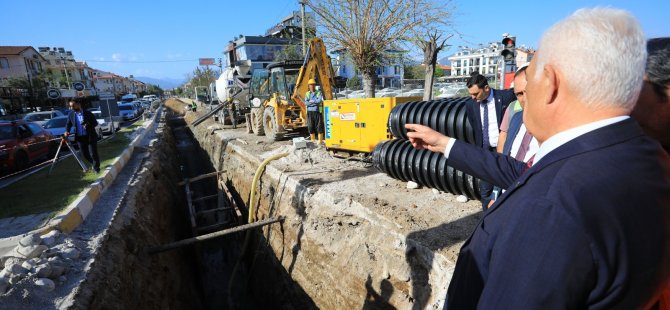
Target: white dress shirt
{"type": "Point", "coordinates": [493, 119]}
{"type": "Point", "coordinates": [558, 139]}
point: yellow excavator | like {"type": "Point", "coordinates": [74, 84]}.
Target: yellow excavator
{"type": "Point", "coordinates": [277, 92]}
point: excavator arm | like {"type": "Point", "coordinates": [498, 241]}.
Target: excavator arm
{"type": "Point", "coordinates": [317, 66]}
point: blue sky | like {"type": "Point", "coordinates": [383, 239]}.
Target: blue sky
{"type": "Point", "coordinates": [164, 39]}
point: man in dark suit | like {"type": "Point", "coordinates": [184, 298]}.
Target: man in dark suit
{"type": "Point", "coordinates": [83, 122]}
{"type": "Point", "coordinates": [573, 231]}
{"type": "Point", "coordinates": [653, 109]}
{"type": "Point", "coordinates": [485, 111]}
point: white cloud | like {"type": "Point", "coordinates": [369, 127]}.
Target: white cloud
{"type": "Point", "coordinates": [117, 57]}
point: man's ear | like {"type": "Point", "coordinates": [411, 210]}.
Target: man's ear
{"type": "Point", "coordinates": [552, 81]}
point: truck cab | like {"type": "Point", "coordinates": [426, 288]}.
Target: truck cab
{"type": "Point", "coordinates": [273, 111]}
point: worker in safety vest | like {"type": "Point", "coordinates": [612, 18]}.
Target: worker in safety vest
{"type": "Point", "coordinates": [314, 103]}
{"type": "Point", "coordinates": [194, 106]}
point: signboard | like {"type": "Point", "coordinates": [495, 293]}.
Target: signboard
{"type": "Point", "coordinates": [206, 61]}
{"type": "Point", "coordinates": [68, 93]}
{"type": "Point", "coordinates": [106, 96]}
{"type": "Point", "coordinates": [53, 93]}
{"type": "Point", "coordinates": [78, 86]}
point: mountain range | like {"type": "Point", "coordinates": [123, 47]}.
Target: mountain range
{"type": "Point", "coordinates": [164, 83]}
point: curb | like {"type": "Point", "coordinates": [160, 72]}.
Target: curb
{"type": "Point", "coordinates": [67, 220]}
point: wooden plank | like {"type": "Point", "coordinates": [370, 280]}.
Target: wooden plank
{"type": "Point", "coordinates": [200, 177]}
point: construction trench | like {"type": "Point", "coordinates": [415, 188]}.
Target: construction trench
{"type": "Point", "coordinates": [347, 235]}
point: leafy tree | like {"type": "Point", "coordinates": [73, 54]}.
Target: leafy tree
{"type": "Point", "coordinates": [290, 52]}
{"type": "Point", "coordinates": [354, 82]}
{"type": "Point", "coordinates": [439, 72]}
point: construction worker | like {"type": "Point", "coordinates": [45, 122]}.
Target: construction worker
{"type": "Point", "coordinates": [230, 105]}
{"type": "Point", "coordinates": [194, 106]}
{"type": "Point", "coordinates": [314, 103]}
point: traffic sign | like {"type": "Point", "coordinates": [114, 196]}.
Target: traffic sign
{"type": "Point", "coordinates": [78, 86]}
{"type": "Point", "coordinates": [53, 93]}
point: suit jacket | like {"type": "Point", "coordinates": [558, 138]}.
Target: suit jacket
{"type": "Point", "coordinates": [89, 124]}
{"type": "Point", "coordinates": [495, 168]}
{"type": "Point", "coordinates": [587, 226]}
{"type": "Point", "coordinates": [502, 99]}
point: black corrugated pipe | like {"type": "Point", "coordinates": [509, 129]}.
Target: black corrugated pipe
{"type": "Point", "coordinates": [400, 160]}
{"type": "Point", "coordinates": [446, 116]}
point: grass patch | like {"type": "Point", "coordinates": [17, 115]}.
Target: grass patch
{"type": "Point", "coordinates": [40, 193]}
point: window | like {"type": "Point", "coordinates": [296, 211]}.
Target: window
{"type": "Point", "coordinates": [259, 82]}
{"type": "Point", "coordinates": [36, 129]}
{"type": "Point", "coordinates": [24, 132]}
{"type": "Point", "coordinates": [4, 63]}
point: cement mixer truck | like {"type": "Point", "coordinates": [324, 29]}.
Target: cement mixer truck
{"type": "Point", "coordinates": [233, 83]}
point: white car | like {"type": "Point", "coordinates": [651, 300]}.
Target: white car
{"type": "Point", "coordinates": [41, 118]}
{"type": "Point", "coordinates": [127, 111]}
{"type": "Point", "coordinates": [104, 124]}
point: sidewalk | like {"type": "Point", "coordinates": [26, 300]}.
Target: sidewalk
{"type": "Point", "coordinates": [13, 229]}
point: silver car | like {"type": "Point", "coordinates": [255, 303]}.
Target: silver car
{"type": "Point", "coordinates": [41, 118]}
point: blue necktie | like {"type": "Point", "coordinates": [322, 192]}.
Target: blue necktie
{"type": "Point", "coordinates": [485, 127]}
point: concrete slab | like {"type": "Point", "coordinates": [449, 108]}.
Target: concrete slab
{"type": "Point", "coordinates": [13, 226]}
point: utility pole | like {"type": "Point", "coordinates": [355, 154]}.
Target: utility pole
{"type": "Point", "coordinates": [304, 38]}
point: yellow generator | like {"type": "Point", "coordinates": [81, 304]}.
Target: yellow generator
{"type": "Point", "coordinates": [357, 125]}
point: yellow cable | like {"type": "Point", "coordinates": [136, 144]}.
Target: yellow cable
{"type": "Point", "coordinates": [257, 176]}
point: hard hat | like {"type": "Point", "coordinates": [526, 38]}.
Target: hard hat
{"type": "Point", "coordinates": [311, 82]}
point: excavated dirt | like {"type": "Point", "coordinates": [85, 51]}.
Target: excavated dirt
{"type": "Point", "coordinates": [122, 275]}
{"type": "Point", "coordinates": [352, 237]}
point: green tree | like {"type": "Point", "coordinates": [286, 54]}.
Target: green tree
{"type": "Point", "coordinates": [414, 72]}
{"type": "Point", "coordinates": [439, 72]}
{"type": "Point", "coordinates": [354, 82]}
{"type": "Point", "coordinates": [290, 52]}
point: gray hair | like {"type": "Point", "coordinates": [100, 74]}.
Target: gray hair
{"type": "Point", "coordinates": [601, 52]}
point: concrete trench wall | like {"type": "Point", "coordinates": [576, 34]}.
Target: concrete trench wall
{"type": "Point", "coordinates": [347, 241]}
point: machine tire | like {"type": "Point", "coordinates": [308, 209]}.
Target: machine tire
{"type": "Point", "coordinates": [21, 160]}
{"type": "Point", "coordinates": [257, 121]}
{"type": "Point", "coordinates": [273, 130]}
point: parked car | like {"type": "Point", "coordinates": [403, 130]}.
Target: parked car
{"type": "Point", "coordinates": [56, 127]}
{"type": "Point", "coordinates": [138, 107]}
{"type": "Point", "coordinates": [104, 126]}
{"type": "Point", "coordinates": [41, 118]}
{"type": "Point", "coordinates": [127, 111]}
{"type": "Point", "coordinates": [22, 143]}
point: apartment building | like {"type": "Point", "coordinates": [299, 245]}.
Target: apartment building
{"type": "Point", "coordinates": [20, 62]}
{"type": "Point", "coordinates": [388, 75]}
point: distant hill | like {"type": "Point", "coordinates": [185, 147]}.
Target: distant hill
{"type": "Point", "coordinates": [165, 83]}
{"type": "Point", "coordinates": [443, 61]}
